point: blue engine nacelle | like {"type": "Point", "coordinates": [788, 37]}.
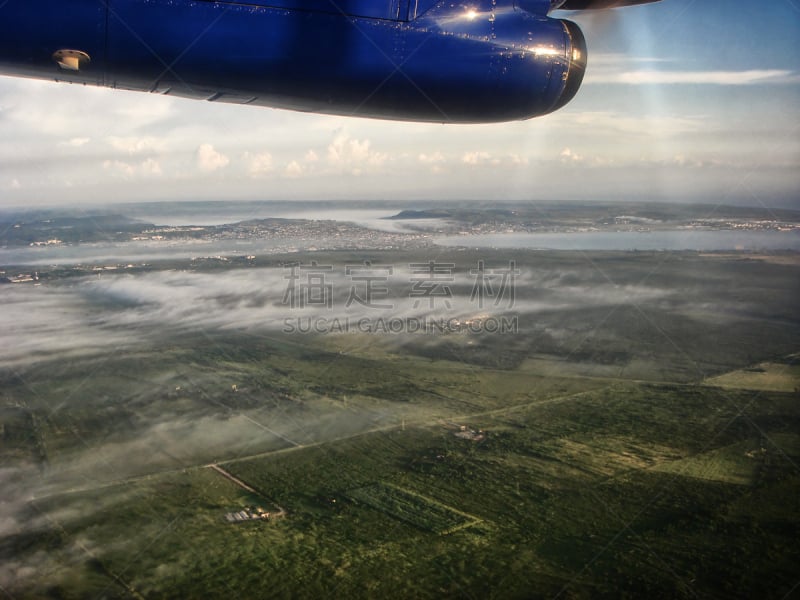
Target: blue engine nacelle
{"type": "Point", "coordinates": [449, 61]}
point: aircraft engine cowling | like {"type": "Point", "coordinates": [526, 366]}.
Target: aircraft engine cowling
{"type": "Point", "coordinates": [450, 61]}
{"type": "Point", "coordinates": [577, 64]}
{"type": "Point", "coordinates": [508, 64]}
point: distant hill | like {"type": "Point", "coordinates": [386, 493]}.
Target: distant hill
{"type": "Point", "coordinates": [594, 213]}
{"type": "Point", "coordinates": [67, 229]}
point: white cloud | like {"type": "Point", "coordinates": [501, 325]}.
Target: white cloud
{"type": "Point", "coordinates": [311, 157]}
{"type": "Point", "coordinates": [353, 155]}
{"type": "Point", "coordinates": [682, 160]}
{"type": "Point", "coordinates": [76, 142]}
{"type": "Point", "coordinates": [119, 167]}
{"type": "Point", "coordinates": [141, 109]}
{"type": "Point", "coordinates": [619, 58]}
{"type": "Point", "coordinates": [15, 184]}
{"type": "Point", "coordinates": [127, 170]}
{"type": "Point", "coordinates": [568, 156]}
{"type": "Point", "coordinates": [259, 164]}
{"type": "Point", "coordinates": [431, 159]}
{"type": "Point", "coordinates": [483, 158]}
{"type": "Point", "coordinates": [435, 161]}
{"type": "Point", "coordinates": [209, 159]}
{"type": "Point", "coordinates": [151, 167]}
{"type": "Point", "coordinates": [652, 77]}
{"type": "Point", "coordinates": [136, 145]}
{"type": "Point", "coordinates": [475, 158]}
{"type": "Point", "coordinates": [293, 170]}
{"type": "Point", "coordinates": [612, 124]}
{"type": "Point", "coordinates": [75, 112]}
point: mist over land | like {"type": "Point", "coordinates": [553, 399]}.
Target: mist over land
{"type": "Point", "coordinates": [535, 421]}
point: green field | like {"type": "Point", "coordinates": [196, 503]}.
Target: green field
{"type": "Point", "coordinates": [614, 462]}
{"type": "Point", "coordinates": [631, 487]}
{"type": "Point", "coordinates": [775, 377]}
{"type": "Point", "coordinates": [413, 508]}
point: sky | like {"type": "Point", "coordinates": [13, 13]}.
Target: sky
{"type": "Point", "coordinates": [684, 101]}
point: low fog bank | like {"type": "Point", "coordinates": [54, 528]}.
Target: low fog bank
{"type": "Point", "coordinates": [93, 316]}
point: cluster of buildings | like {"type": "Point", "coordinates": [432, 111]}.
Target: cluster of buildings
{"type": "Point", "coordinates": [747, 225]}
{"type": "Point", "coordinates": [19, 277]}
{"type": "Point", "coordinates": [51, 242]}
{"type": "Point", "coordinates": [252, 513]}
{"type": "Point", "coordinates": [466, 433]}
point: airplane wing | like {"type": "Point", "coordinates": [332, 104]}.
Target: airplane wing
{"type": "Point", "coordinates": [450, 61]}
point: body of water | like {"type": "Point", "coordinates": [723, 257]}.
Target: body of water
{"type": "Point", "coordinates": [682, 239]}
{"type": "Point", "coordinates": [212, 213]}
